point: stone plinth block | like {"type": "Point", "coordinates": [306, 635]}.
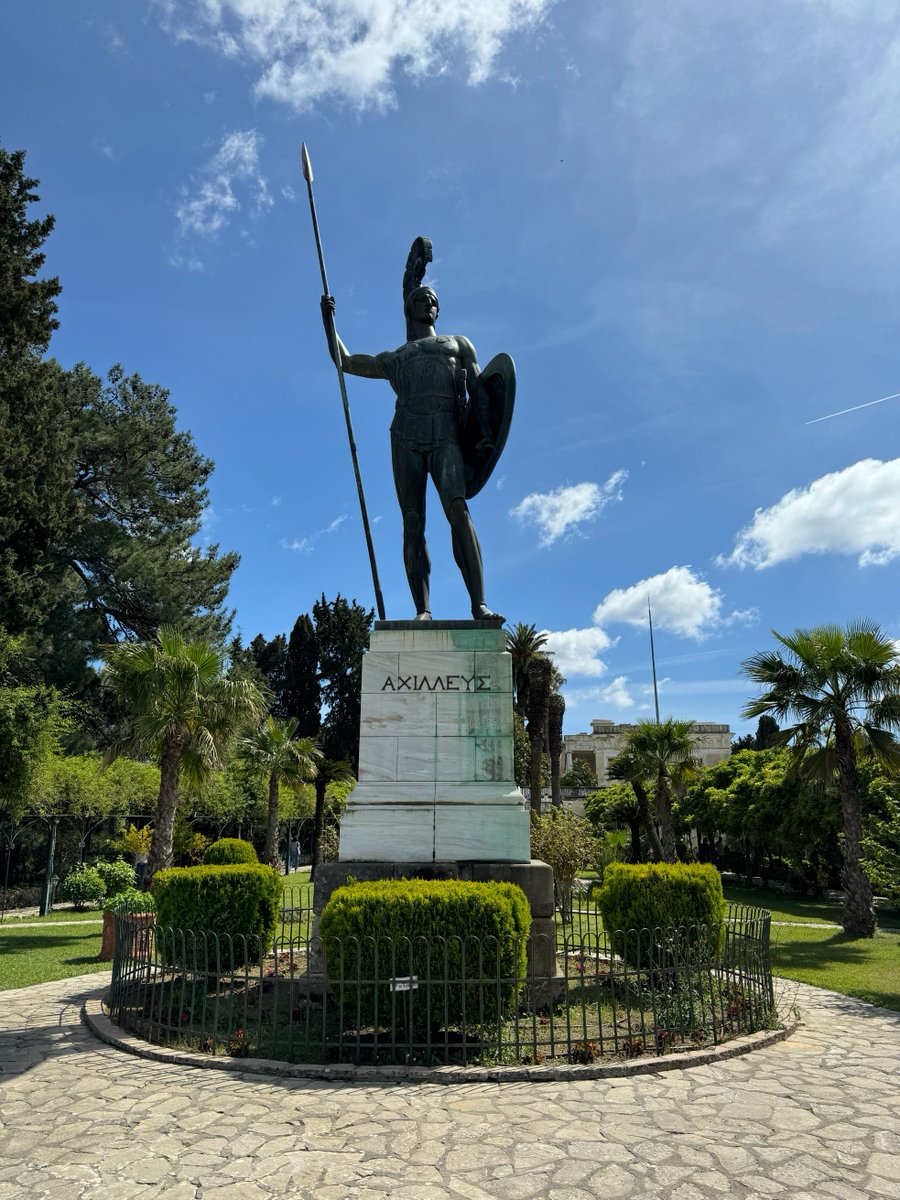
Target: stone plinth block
{"type": "Point", "coordinates": [436, 777]}
{"type": "Point", "coordinates": [535, 878]}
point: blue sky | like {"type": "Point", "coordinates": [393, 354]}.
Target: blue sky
{"type": "Point", "coordinates": [679, 218]}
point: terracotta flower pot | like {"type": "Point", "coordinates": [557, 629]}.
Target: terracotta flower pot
{"type": "Point", "coordinates": [140, 940]}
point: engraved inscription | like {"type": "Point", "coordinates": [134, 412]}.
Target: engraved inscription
{"type": "Point", "coordinates": [437, 683]}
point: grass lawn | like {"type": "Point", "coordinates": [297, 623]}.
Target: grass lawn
{"type": "Point", "coordinates": [796, 908]}
{"type": "Point", "coordinates": [296, 878]}
{"type": "Point", "coordinates": [30, 956]}
{"type": "Point", "coordinates": [868, 968]}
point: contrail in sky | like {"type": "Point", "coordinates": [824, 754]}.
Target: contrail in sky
{"type": "Point", "coordinates": [855, 408]}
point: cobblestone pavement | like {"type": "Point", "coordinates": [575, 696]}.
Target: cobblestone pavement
{"type": "Point", "coordinates": [815, 1117]}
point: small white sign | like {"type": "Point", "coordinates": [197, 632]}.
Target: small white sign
{"type": "Point", "coordinates": [405, 983]}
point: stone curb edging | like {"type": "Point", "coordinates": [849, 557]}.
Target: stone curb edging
{"type": "Point", "coordinates": [102, 1027]}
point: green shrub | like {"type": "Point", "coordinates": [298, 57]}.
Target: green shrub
{"type": "Point", "coordinates": [117, 876]}
{"type": "Point", "coordinates": [228, 852]}
{"type": "Point", "coordinates": [82, 886]}
{"type": "Point", "coordinates": [329, 846]}
{"type": "Point", "coordinates": [431, 930]}
{"type": "Point", "coordinates": [662, 898]}
{"type": "Point", "coordinates": [238, 902]}
{"type": "Point", "coordinates": [567, 844]}
{"type": "Point", "coordinates": [130, 900]}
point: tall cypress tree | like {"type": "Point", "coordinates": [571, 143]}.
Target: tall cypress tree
{"type": "Point", "coordinates": [270, 659]}
{"type": "Point", "coordinates": [36, 502]}
{"type": "Point", "coordinates": [302, 695]}
{"type": "Point", "coordinates": [342, 633]}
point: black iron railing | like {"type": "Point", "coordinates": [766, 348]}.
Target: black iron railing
{"type": "Point", "coordinates": [444, 1000]}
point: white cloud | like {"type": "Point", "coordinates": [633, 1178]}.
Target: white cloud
{"type": "Point", "coordinates": [574, 650]}
{"type": "Point", "coordinates": [231, 182]}
{"type": "Point", "coordinates": [102, 146]}
{"type": "Point", "coordinates": [352, 50]}
{"type": "Point", "coordinates": [306, 545]}
{"type": "Point", "coordinates": [682, 602]}
{"type": "Point", "coordinates": [555, 513]}
{"type": "Point", "coordinates": [854, 511]}
{"type": "Point", "coordinates": [617, 693]}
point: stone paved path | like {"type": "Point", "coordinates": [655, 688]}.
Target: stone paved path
{"type": "Point", "coordinates": [815, 1117]}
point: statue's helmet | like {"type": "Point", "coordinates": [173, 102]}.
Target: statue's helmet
{"type": "Point", "coordinates": [414, 295]}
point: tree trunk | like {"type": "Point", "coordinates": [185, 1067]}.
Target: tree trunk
{"type": "Point", "coordinates": [556, 712]}
{"type": "Point", "coordinates": [667, 828]}
{"type": "Point", "coordinates": [164, 822]}
{"type": "Point", "coordinates": [271, 850]}
{"type": "Point", "coordinates": [635, 828]}
{"type": "Point", "coordinates": [859, 915]}
{"type": "Point", "coordinates": [537, 749]}
{"type": "Point", "coordinates": [643, 803]}
{"type": "Point", "coordinates": [319, 826]}
{"type": "Point", "coordinates": [539, 670]}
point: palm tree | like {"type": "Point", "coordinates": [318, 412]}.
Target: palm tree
{"type": "Point", "coordinates": [273, 747]}
{"type": "Point", "coordinates": [839, 686]}
{"type": "Point", "coordinates": [183, 711]}
{"type": "Point", "coordinates": [626, 768]}
{"type": "Point", "coordinates": [524, 643]}
{"type": "Point", "coordinates": [664, 752]}
{"type": "Point", "coordinates": [331, 770]}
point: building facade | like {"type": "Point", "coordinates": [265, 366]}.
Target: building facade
{"type": "Point", "coordinates": [607, 739]}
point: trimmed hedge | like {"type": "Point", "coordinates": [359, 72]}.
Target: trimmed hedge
{"type": "Point", "coordinates": [431, 930]}
{"type": "Point", "coordinates": [238, 902]}
{"type": "Point", "coordinates": [662, 898]}
{"type": "Point", "coordinates": [229, 851]}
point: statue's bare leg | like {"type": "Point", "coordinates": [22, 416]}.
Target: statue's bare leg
{"type": "Point", "coordinates": [417, 562]}
{"type": "Point", "coordinates": [410, 478]}
{"type": "Point", "coordinates": [449, 476]}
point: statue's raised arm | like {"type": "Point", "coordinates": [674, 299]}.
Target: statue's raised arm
{"type": "Point", "coordinates": [369, 366]}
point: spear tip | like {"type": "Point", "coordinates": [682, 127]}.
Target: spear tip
{"type": "Point", "coordinates": [305, 164]}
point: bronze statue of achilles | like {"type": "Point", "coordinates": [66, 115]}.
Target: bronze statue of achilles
{"type": "Point", "coordinates": [451, 422]}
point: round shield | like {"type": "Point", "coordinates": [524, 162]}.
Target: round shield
{"type": "Point", "coordinates": [486, 424]}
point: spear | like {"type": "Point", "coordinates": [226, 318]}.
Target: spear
{"type": "Point", "coordinates": [336, 355]}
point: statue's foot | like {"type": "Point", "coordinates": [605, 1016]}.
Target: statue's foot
{"type": "Point", "coordinates": [424, 615]}
{"type": "Point", "coordinates": [481, 612]}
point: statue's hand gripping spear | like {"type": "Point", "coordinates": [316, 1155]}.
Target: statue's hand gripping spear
{"type": "Point", "coordinates": [336, 355]}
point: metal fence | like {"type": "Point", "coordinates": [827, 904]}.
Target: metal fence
{"type": "Point", "coordinates": [443, 1000]}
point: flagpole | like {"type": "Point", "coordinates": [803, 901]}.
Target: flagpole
{"type": "Point", "coordinates": [653, 661]}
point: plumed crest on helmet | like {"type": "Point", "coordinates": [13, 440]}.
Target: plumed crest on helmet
{"type": "Point", "coordinates": [420, 256]}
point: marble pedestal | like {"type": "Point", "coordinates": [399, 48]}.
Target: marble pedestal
{"type": "Point", "coordinates": [436, 779]}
